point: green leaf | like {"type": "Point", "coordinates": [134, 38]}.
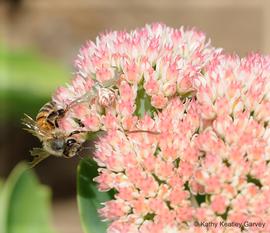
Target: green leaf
{"type": "Point", "coordinates": [143, 103]}
{"type": "Point", "coordinates": [89, 198]}
{"type": "Point", "coordinates": [24, 204]}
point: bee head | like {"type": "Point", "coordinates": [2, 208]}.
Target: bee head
{"type": "Point", "coordinates": [71, 148]}
{"type": "Point", "coordinates": [55, 146]}
{"type": "Point", "coordinates": [61, 145]}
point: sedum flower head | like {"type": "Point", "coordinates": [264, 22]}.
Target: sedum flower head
{"type": "Point", "coordinates": [199, 150]}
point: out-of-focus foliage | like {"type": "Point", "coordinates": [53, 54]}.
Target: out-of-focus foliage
{"type": "Point", "coordinates": [89, 198]}
{"type": "Point", "coordinates": [25, 204]}
{"type": "Point", "coordinates": [27, 80]}
{"type": "Point", "coordinates": [1, 185]}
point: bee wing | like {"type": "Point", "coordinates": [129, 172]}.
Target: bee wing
{"type": "Point", "coordinates": [31, 126]}
{"type": "Point", "coordinates": [111, 82]}
{"type": "Point", "coordinates": [39, 154]}
{"type": "Point", "coordinates": [87, 97]}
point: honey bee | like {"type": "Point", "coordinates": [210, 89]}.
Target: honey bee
{"type": "Point", "coordinates": [54, 141]}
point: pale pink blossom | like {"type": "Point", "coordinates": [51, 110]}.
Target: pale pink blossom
{"type": "Point", "coordinates": [200, 152]}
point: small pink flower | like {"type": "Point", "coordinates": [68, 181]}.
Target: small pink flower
{"type": "Point", "coordinates": [132, 72]}
{"type": "Point", "coordinates": [184, 85]}
{"type": "Point", "coordinates": [104, 74]}
{"type": "Point", "coordinates": [92, 122]}
{"type": "Point", "coordinates": [110, 121]}
{"type": "Point", "coordinates": [127, 92]}
{"type": "Point", "coordinates": [113, 209]}
{"type": "Point", "coordinates": [158, 101]}
{"type": "Point", "coordinates": [104, 179]}
{"type": "Point", "coordinates": [151, 86]}
{"type": "Point", "coordinates": [177, 195]}
{"type": "Point", "coordinates": [129, 123]}
{"type": "Point", "coordinates": [126, 108]}
{"type": "Point", "coordinates": [219, 204]}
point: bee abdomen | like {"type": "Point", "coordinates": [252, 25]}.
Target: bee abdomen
{"type": "Point", "coordinates": [45, 111]}
{"type": "Point", "coordinates": [42, 120]}
{"type": "Point", "coordinates": [43, 124]}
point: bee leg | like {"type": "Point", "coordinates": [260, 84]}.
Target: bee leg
{"type": "Point", "coordinates": [77, 132]}
{"type": "Point", "coordinates": [39, 154]}
{"type": "Point", "coordinates": [79, 122]}
{"type": "Point", "coordinates": [114, 80]}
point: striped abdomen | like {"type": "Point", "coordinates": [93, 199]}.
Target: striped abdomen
{"type": "Point", "coordinates": [47, 117]}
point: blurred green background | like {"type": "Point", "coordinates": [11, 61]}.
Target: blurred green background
{"type": "Point", "coordinates": [39, 40]}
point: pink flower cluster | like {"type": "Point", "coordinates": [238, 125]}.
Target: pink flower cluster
{"type": "Point", "coordinates": [200, 155]}
{"type": "Point", "coordinates": [164, 60]}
